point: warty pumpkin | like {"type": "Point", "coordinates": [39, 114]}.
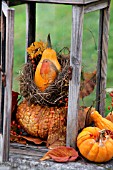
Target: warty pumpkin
{"type": "Point", "coordinates": [95, 145]}
{"type": "Point", "coordinates": [47, 123]}
{"type": "Point", "coordinates": [48, 54]}
{"type": "Point", "coordinates": [101, 122]}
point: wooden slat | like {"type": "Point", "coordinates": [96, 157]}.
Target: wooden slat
{"type": "Point", "coordinates": [102, 60]}
{"type": "Point", "coordinates": [74, 84]}
{"type": "Point", "coordinates": [18, 2]}
{"type": "Point", "coordinates": [63, 1]}
{"type": "Point", "coordinates": [96, 6]}
{"type": "Point", "coordinates": [30, 150]}
{"type": "Point", "coordinates": [30, 24]}
{"type": "Point", "coordinates": [15, 3]}
{"type": "Point", "coordinates": [8, 88]}
{"type": "Point", "coordinates": [4, 8]}
{"type": "Point", "coordinates": [3, 43]}
{"type": "Point", "coordinates": [0, 72]}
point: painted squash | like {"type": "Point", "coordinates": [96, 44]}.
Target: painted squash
{"type": "Point", "coordinates": [101, 122]}
{"type": "Point", "coordinates": [48, 55]}
{"type": "Point", "coordinates": [95, 145]}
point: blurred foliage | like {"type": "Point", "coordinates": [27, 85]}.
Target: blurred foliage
{"type": "Point", "coordinates": [56, 20]}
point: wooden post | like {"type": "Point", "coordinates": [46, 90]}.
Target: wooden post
{"type": "Point", "coordinates": [7, 104]}
{"type": "Point", "coordinates": [102, 60]}
{"type": "Point", "coordinates": [30, 24]}
{"type": "Point", "coordinates": [0, 72]}
{"type": "Point", "coordinates": [74, 84]}
{"type": "Point", "coordinates": [0, 87]}
{"type": "Point", "coordinates": [3, 43]}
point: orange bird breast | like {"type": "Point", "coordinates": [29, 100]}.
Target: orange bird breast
{"type": "Point", "coordinates": [48, 71]}
{"type": "Point", "coordinates": [46, 74]}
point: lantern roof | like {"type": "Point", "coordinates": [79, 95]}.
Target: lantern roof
{"type": "Point", "coordinates": [71, 2]}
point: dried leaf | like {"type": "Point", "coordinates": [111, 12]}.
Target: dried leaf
{"type": "Point", "coordinates": [84, 116]}
{"type": "Point", "coordinates": [23, 139]}
{"type": "Point", "coordinates": [110, 116]}
{"type": "Point", "coordinates": [17, 138]}
{"type": "Point", "coordinates": [57, 143]}
{"type": "Point", "coordinates": [88, 83]}
{"type": "Point", "coordinates": [36, 48]}
{"type": "Point", "coordinates": [33, 139]}
{"type": "Point", "coordinates": [110, 133]}
{"type": "Point", "coordinates": [14, 100]}
{"type": "Point", "coordinates": [61, 154]}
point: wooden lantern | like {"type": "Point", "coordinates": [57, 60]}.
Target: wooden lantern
{"type": "Point", "coordinates": [79, 8]}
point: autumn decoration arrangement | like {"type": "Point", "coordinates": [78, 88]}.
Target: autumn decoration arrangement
{"type": "Point", "coordinates": [39, 111]}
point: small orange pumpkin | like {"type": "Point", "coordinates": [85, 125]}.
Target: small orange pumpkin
{"type": "Point", "coordinates": [95, 145]}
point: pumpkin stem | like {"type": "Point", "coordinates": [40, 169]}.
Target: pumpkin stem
{"type": "Point", "coordinates": [49, 45]}
{"type": "Point", "coordinates": [101, 136]}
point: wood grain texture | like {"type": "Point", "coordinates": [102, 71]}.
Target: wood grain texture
{"type": "Point", "coordinates": [64, 1]}
{"type": "Point", "coordinates": [0, 91]}
{"type": "Point", "coordinates": [4, 8]}
{"type": "Point", "coordinates": [74, 84]}
{"type": "Point", "coordinates": [3, 43]}
{"type": "Point", "coordinates": [15, 3]}
{"type": "Point", "coordinates": [96, 6]}
{"type": "Point", "coordinates": [0, 72]}
{"type": "Point", "coordinates": [8, 88]}
{"type": "Point", "coordinates": [3, 32]}
{"type": "Point", "coordinates": [102, 60]}
{"type": "Point", "coordinates": [30, 24]}
{"type": "Point", "coordinates": [71, 2]}
{"type": "Point", "coordinates": [31, 150]}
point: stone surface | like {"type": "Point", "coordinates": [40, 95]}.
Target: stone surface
{"type": "Point", "coordinates": [27, 157]}
{"type": "Point", "coordinates": [17, 162]}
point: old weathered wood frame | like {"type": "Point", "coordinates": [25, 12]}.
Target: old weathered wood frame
{"type": "Point", "coordinates": [6, 60]}
{"type": "Point", "coordinates": [79, 8]}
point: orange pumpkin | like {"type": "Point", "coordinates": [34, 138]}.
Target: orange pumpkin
{"type": "Point", "coordinates": [95, 145]}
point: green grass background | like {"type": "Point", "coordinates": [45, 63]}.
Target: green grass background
{"type": "Point", "coordinates": [56, 20]}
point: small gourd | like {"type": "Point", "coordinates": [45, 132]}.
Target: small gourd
{"type": "Point", "coordinates": [101, 122]}
{"type": "Point", "coordinates": [95, 145]}
{"type": "Point", "coordinates": [50, 55]}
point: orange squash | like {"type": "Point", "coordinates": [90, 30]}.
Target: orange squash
{"type": "Point", "coordinates": [101, 122]}
{"type": "Point", "coordinates": [50, 55]}
{"type": "Point", "coordinates": [95, 145]}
